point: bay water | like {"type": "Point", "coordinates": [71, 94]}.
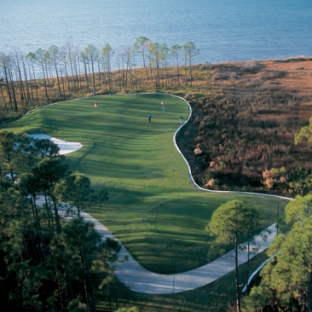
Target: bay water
{"type": "Point", "coordinates": [223, 30]}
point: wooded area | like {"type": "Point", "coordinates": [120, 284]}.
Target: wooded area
{"type": "Point", "coordinates": [62, 73]}
{"type": "Point", "coordinates": [47, 263]}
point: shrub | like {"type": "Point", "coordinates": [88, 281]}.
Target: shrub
{"type": "Point", "coordinates": [210, 174]}
{"type": "Point", "coordinates": [267, 174]}
{"type": "Point", "coordinates": [269, 183]}
{"type": "Point", "coordinates": [210, 184]}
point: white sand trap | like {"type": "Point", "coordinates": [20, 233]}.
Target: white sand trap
{"type": "Point", "coordinates": [65, 147]}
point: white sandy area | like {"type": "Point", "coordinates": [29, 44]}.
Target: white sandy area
{"type": "Point", "coordinates": [65, 147]}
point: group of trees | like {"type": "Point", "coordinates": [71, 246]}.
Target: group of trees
{"type": "Point", "coordinates": [285, 283]}
{"type": "Point", "coordinates": [230, 223]}
{"type": "Point", "coordinates": [45, 262]}
{"type": "Point", "coordinates": [286, 280]}
{"type": "Point", "coordinates": [70, 69]}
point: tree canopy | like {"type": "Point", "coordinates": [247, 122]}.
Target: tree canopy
{"type": "Point", "coordinates": [286, 278]}
{"type": "Point", "coordinates": [304, 133]}
{"type": "Point", "coordinates": [230, 222]}
{"type": "Point", "coordinates": [46, 263]}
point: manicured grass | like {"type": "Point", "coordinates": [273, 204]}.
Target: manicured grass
{"type": "Point", "coordinates": [153, 207]}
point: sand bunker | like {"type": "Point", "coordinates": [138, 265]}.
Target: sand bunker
{"type": "Point", "coordinates": [65, 147]}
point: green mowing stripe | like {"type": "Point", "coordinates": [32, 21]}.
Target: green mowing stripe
{"type": "Point", "coordinates": [153, 208]}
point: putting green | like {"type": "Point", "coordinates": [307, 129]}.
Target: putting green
{"type": "Point", "coordinates": [153, 208]}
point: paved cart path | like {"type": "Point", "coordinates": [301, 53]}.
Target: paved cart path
{"type": "Point", "coordinates": [138, 279]}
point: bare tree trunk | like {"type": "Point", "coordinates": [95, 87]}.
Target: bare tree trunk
{"type": "Point", "coordinates": [7, 84]}
{"type": "Point", "coordinates": [178, 73]}
{"type": "Point", "coordinates": [39, 232]}
{"type": "Point", "coordinates": [93, 75]}
{"type": "Point", "coordinates": [20, 80]}
{"type": "Point", "coordinates": [28, 97]}
{"type": "Point", "coordinates": [236, 275]}
{"type": "Point", "coordinates": [56, 216]}
{"type": "Point", "coordinates": [47, 73]}
{"type": "Point", "coordinates": [99, 72]}
{"type": "Point", "coordinates": [13, 90]}
{"type": "Point", "coordinates": [72, 71]}
{"type": "Point", "coordinates": [248, 256]}
{"type": "Point", "coordinates": [58, 79]}
{"type": "Point", "coordinates": [36, 86]}
{"type": "Point", "coordinates": [191, 70]}
{"type": "Point", "coordinates": [62, 77]}
{"type": "Point", "coordinates": [45, 82]}
{"type": "Point", "coordinates": [109, 75]}
{"type": "Point", "coordinates": [86, 75]}
{"type": "Point", "coordinates": [150, 67]}
{"type": "Point", "coordinates": [67, 77]}
{"type": "Point", "coordinates": [68, 54]}
{"type": "Point", "coordinates": [91, 294]}
{"type": "Point", "coordinates": [77, 69]}
{"type": "Point", "coordinates": [3, 98]}
{"type": "Point", "coordinates": [49, 217]}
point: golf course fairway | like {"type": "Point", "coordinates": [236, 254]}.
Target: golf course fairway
{"type": "Point", "coordinates": [153, 207]}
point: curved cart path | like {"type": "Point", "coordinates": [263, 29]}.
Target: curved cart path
{"type": "Point", "coordinates": [138, 279]}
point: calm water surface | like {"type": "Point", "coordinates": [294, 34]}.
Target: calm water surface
{"type": "Point", "coordinates": [223, 30]}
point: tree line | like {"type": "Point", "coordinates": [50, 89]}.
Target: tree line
{"type": "Point", "coordinates": [53, 74]}
{"type": "Point", "coordinates": [285, 282]}
{"type": "Point", "coordinates": [47, 263]}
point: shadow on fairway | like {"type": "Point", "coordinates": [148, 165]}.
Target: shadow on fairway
{"type": "Point", "coordinates": [153, 207]}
